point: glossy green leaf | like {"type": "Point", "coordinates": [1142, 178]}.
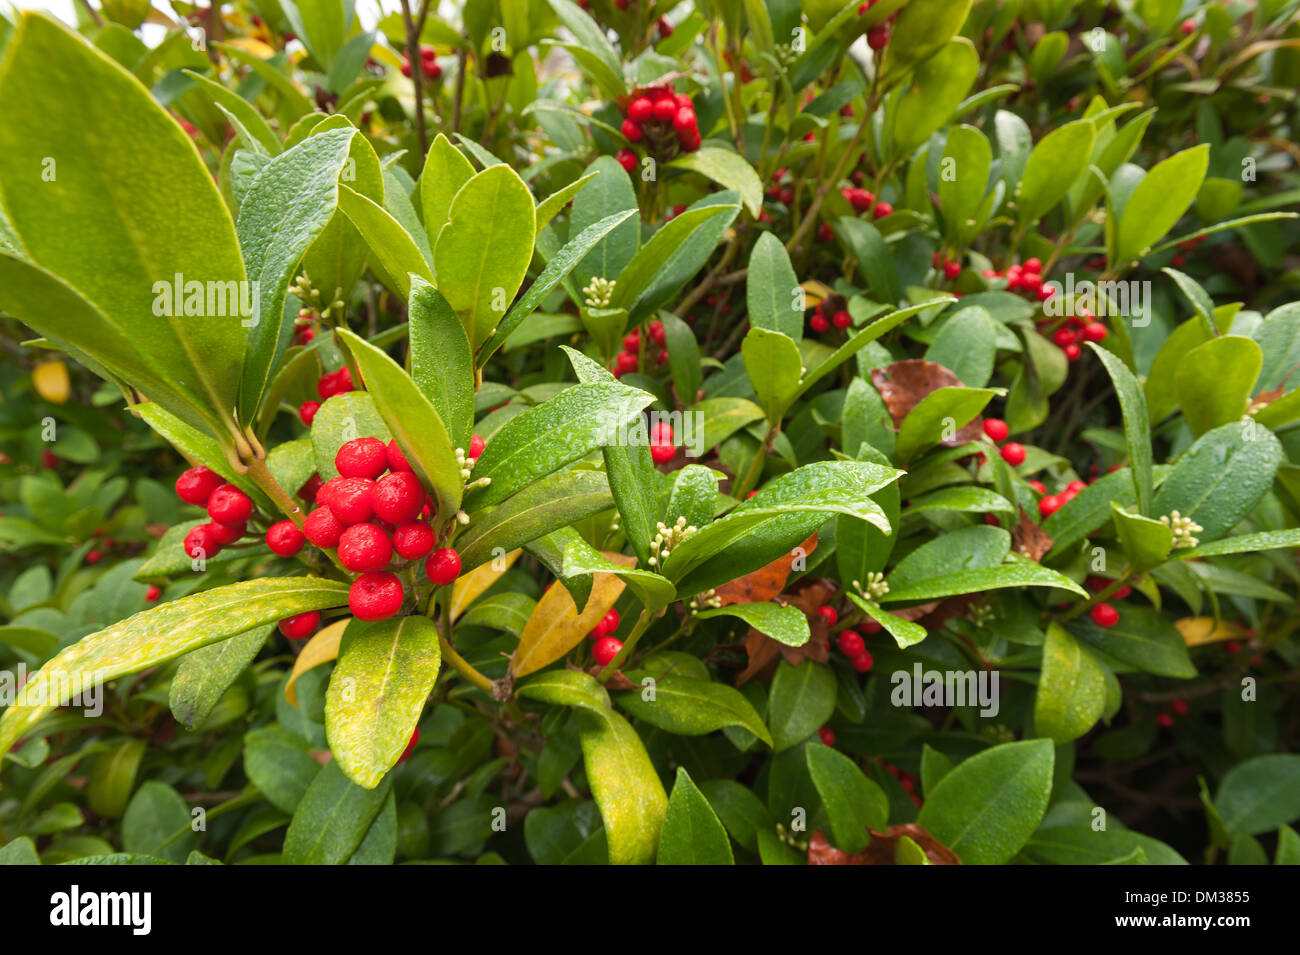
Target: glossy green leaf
{"type": "Point", "coordinates": [852, 801]}
{"type": "Point", "coordinates": [625, 786]}
{"type": "Point", "coordinates": [774, 366]}
{"type": "Point", "coordinates": [801, 700]}
{"type": "Point", "coordinates": [923, 28]}
{"type": "Point", "coordinates": [446, 170]}
{"type": "Point", "coordinates": [692, 833]}
{"type": "Point", "coordinates": [1144, 638]}
{"type": "Point", "coordinates": [205, 674]}
{"type": "Point", "coordinates": [442, 365]}
{"type": "Point", "coordinates": [1159, 201]}
{"type": "Point", "coordinates": [989, 805]}
{"type": "Point", "coordinates": [1055, 163]}
{"type": "Point", "coordinates": [1260, 794]}
{"type": "Point", "coordinates": [783, 623]}
{"type": "Point", "coordinates": [939, 415]}
{"type": "Point", "coordinates": [729, 170]}
{"type": "Point", "coordinates": [1214, 381]}
{"type": "Point", "coordinates": [939, 86]}
{"type": "Point", "coordinates": [772, 293]}
{"type": "Point", "coordinates": [1071, 690]}
{"type": "Point", "coordinates": [1137, 425]}
{"type": "Point", "coordinates": [332, 818]}
{"type": "Point", "coordinates": [376, 693]}
{"type": "Point", "coordinates": [686, 706]}
{"type": "Point", "coordinates": [395, 256]}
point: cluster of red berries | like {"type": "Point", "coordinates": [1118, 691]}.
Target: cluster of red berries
{"type": "Point", "coordinates": [303, 332]}
{"type": "Point", "coordinates": [657, 116]}
{"type": "Point", "coordinates": [1075, 330]}
{"type": "Point", "coordinates": [1049, 504]}
{"type": "Point", "coordinates": [228, 507]}
{"type": "Point", "coordinates": [1178, 707]}
{"type": "Point", "coordinates": [997, 431]}
{"type": "Point", "coordinates": [1026, 277]}
{"type": "Point", "coordinates": [1185, 247]}
{"type": "Point", "coordinates": [877, 36]}
{"type": "Point", "coordinates": [907, 780]}
{"type": "Point", "coordinates": [330, 384]}
{"type": "Point", "coordinates": [428, 63]}
{"type": "Point", "coordinates": [605, 647]}
{"type": "Point", "coordinates": [864, 200]}
{"type": "Point", "coordinates": [819, 323]}
{"type": "Point", "coordinates": [629, 359]}
{"type": "Point", "coordinates": [951, 268]}
{"type": "Point", "coordinates": [850, 642]}
{"type": "Point", "coordinates": [373, 520]}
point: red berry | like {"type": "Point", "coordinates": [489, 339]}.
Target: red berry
{"type": "Point", "coordinates": [1072, 352]}
{"type": "Point", "coordinates": [476, 446]}
{"type": "Point", "coordinates": [1013, 454]}
{"type": "Point", "coordinates": [1075, 486]}
{"type": "Point", "coordinates": [657, 334]}
{"type": "Point", "coordinates": [284, 538]}
{"type": "Point", "coordinates": [229, 505]}
{"type": "Point", "coordinates": [443, 566]}
{"type": "Point", "coordinates": [818, 323]}
{"type": "Point", "coordinates": [1122, 592]}
{"type": "Point", "coordinates": [334, 383]}
{"type": "Point", "coordinates": [300, 626]}
{"type": "Point", "coordinates": [310, 488]}
{"type": "Point", "coordinates": [1094, 332]}
{"type": "Point", "coordinates": [1165, 720]}
{"type": "Point", "coordinates": [665, 109]}
{"type": "Point", "coordinates": [661, 443]}
{"type": "Point", "coordinates": [1063, 337]}
{"type": "Point", "coordinates": [640, 109]}
{"type": "Point", "coordinates": [996, 429]}
{"type": "Point", "coordinates": [375, 596]}
{"type": "Point", "coordinates": [883, 210]}
{"type": "Point", "coordinates": [1232, 648]}
{"type": "Point", "coordinates": [829, 615]}
{"type": "Point", "coordinates": [350, 498]}
{"type": "Point", "coordinates": [610, 621]}
{"type": "Point", "coordinates": [825, 233]}
{"type": "Point", "coordinates": [871, 626]}
{"type": "Point", "coordinates": [1179, 707]}
{"type": "Point", "coordinates": [396, 459]}
{"type": "Point", "coordinates": [307, 412]}
{"type": "Point", "coordinates": [322, 528]}
{"type": "Point", "coordinates": [199, 543]}
{"type": "Point", "coordinates": [49, 459]}
{"type": "Point", "coordinates": [627, 362]}
{"type": "Point", "coordinates": [1038, 487]}
{"type": "Point", "coordinates": [225, 533]}
{"type": "Point", "coordinates": [94, 556]}
{"type": "Point", "coordinates": [195, 485]}
{"type": "Point", "coordinates": [1049, 505]}
{"type": "Point", "coordinates": [1104, 615]}
{"type": "Point", "coordinates": [365, 547]}
{"type": "Point", "coordinates": [1034, 266]}
{"type": "Point", "coordinates": [1188, 27]}
{"type": "Point", "coordinates": [398, 498]}
{"type": "Point", "coordinates": [850, 643]}
{"type": "Point", "coordinates": [862, 662]}
{"type": "Point", "coordinates": [412, 541]}
{"type": "Point", "coordinates": [878, 36]}
{"type": "Point", "coordinates": [362, 457]}
{"type": "Point", "coordinates": [627, 159]}
{"type": "Point", "coordinates": [632, 130]}
{"type": "Point", "coordinates": [951, 270]}
{"type": "Point", "coordinates": [153, 593]}
{"type": "Point", "coordinates": [606, 649]}
{"type": "Point", "coordinates": [842, 320]}
{"type": "Point", "coordinates": [1096, 584]}
{"type": "Point", "coordinates": [827, 735]}
{"type": "Point", "coordinates": [410, 746]}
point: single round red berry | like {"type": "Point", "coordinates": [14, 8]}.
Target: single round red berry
{"type": "Point", "coordinates": [684, 121]}
{"type": "Point", "coordinates": [850, 643]}
{"type": "Point", "coordinates": [1013, 454]}
{"type": "Point", "coordinates": [196, 485]}
{"type": "Point", "coordinates": [322, 528]}
{"type": "Point", "coordinates": [375, 596]}
{"type": "Point", "coordinates": [49, 459]}
{"type": "Point", "coordinates": [94, 556]}
{"type": "Point", "coordinates": [350, 498]}
{"type": "Point", "coordinates": [829, 615]}
{"type": "Point", "coordinates": [661, 443]}
{"type": "Point", "coordinates": [878, 36]}
{"type": "Point", "coordinates": [398, 498]}
{"type": "Point", "coordinates": [841, 320]}
{"type": "Point", "coordinates": [818, 323]}
{"type": "Point", "coordinates": [443, 566]}
{"type": "Point", "coordinates": [153, 593]}
{"type": "Point", "coordinates": [1104, 615]}
{"type": "Point", "coordinates": [410, 746]}
{"type": "Point", "coordinates": [362, 457]}
{"type": "Point", "coordinates": [640, 109]}
{"type": "Point", "coordinates": [862, 662]}
{"type": "Point", "coordinates": [632, 131]}
{"type": "Point", "coordinates": [627, 362]}
{"type": "Point", "coordinates": [300, 626]}
{"type": "Point", "coordinates": [1179, 706]}
{"type": "Point", "coordinates": [606, 649]}
{"type": "Point", "coordinates": [1232, 648]}
{"type": "Point", "coordinates": [226, 533]}
{"type": "Point", "coordinates": [229, 505]}
{"type": "Point", "coordinates": [627, 159]}
{"type": "Point", "coordinates": [1165, 720]}
{"type": "Point", "coordinates": [665, 109]}
{"type": "Point", "coordinates": [1038, 487]}
{"type": "Point", "coordinates": [199, 543]}
{"type": "Point", "coordinates": [1094, 332]}
{"type": "Point", "coordinates": [1072, 352]}
{"type": "Point", "coordinates": [1076, 486]}
{"type": "Point", "coordinates": [284, 538]}
{"type": "Point", "coordinates": [827, 735]}
{"type": "Point", "coordinates": [396, 459]}
{"type": "Point", "coordinates": [476, 446]}
{"type": "Point", "coordinates": [871, 627]}
{"type": "Point", "coordinates": [1049, 505]}
{"type": "Point", "coordinates": [610, 621]}
{"type": "Point", "coordinates": [307, 413]}
{"type": "Point", "coordinates": [951, 270]}
{"type": "Point", "coordinates": [1122, 592]}
{"type": "Point", "coordinates": [996, 429]}
{"type": "Point", "coordinates": [412, 541]}
{"type": "Point", "coordinates": [365, 547]}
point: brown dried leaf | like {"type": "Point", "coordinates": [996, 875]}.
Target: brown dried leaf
{"type": "Point", "coordinates": [763, 653]}
{"type": "Point", "coordinates": [882, 848]}
{"type": "Point", "coordinates": [763, 584]}
{"type": "Point", "coordinates": [904, 384]}
{"type": "Point", "coordinates": [1029, 539]}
